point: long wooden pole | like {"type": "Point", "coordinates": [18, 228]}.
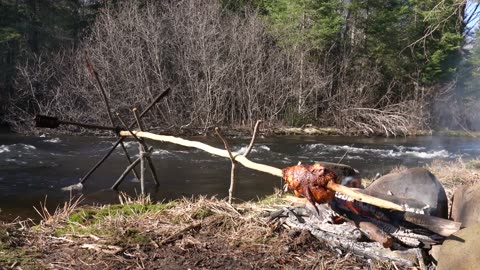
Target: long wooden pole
{"type": "Point", "coordinates": [207, 148]}
{"type": "Point", "coordinates": [127, 170]}
{"type": "Point", "coordinates": [150, 162]}
{"type": "Point", "coordinates": [102, 91]}
{"type": "Point", "coordinates": [262, 167]}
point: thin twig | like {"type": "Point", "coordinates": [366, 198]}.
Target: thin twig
{"type": "Point", "coordinates": [227, 146]}
{"type": "Point", "coordinates": [254, 135]}
{"type": "Point", "coordinates": [150, 162]}
{"type": "Point", "coordinates": [138, 119]}
{"type": "Point", "coordinates": [344, 155]}
{"type": "Point", "coordinates": [175, 235]}
{"type": "Point", "coordinates": [231, 189]}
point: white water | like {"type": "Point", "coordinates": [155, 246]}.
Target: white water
{"type": "Point", "coordinates": [351, 152]}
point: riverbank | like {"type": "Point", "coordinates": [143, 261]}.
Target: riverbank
{"type": "Point", "coordinates": [242, 131]}
{"type": "Point", "coordinates": [183, 234]}
{"type": "Point", "coordinates": [201, 233]}
{"type": "Point", "coordinates": [317, 131]}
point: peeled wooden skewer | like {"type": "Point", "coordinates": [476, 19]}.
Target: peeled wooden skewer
{"type": "Point", "coordinates": [330, 185]}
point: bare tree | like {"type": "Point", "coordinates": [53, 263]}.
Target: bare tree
{"type": "Point", "coordinates": [224, 69]}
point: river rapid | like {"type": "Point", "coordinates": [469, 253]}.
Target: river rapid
{"type": "Point", "coordinates": [35, 169]}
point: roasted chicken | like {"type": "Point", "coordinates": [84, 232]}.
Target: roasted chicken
{"type": "Point", "coordinates": [310, 181]}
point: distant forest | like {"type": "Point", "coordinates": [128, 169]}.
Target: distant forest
{"type": "Point", "coordinates": [376, 66]}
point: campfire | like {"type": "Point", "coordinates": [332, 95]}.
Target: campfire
{"type": "Point", "coordinates": [372, 231]}
{"type": "Point", "coordinates": [394, 228]}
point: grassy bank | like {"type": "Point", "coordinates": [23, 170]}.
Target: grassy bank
{"type": "Point", "coordinates": [202, 233]}
{"type": "Point", "coordinates": [196, 234]}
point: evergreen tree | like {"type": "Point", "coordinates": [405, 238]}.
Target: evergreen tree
{"type": "Point", "coordinates": [37, 26]}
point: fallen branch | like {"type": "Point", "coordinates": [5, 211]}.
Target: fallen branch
{"type": "Point", "coordinates": [174, 236]}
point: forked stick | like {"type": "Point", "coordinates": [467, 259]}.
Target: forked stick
{"type": "Point", "coordinates": [262, 167]}
{"type": "Point", "coordinates": [233, 162]}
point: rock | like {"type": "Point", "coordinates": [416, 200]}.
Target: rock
{"type": "Point", "coordinates": [349, 176]}
{"type": "Point", "coordinates": [417, 184]}
{"type": "Point", "coordinates": [73, 187]}
{"type": "Point", "coordinates": [466, 205]}
{"type": "Point", "coordinates": [461, 250]}
{"type": "Point", "coordinates": [435, 252]}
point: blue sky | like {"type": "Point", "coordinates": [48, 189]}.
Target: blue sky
{"type": "Point", "coordinates": [472, 6]}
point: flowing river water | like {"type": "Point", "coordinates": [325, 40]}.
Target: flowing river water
{"type": "Point", "coordinates": [34, 170]}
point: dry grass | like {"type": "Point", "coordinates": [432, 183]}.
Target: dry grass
{"type": "Point", "coordinates": [453, 174]}
{"type": "Point", "coordinates": [202, 233]}
{"type": "Point", "coordinates": [60, 213]}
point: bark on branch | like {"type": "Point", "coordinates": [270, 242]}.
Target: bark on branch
{"type": "Point", "coordinates": [207, 148]}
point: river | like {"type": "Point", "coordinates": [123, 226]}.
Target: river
{"type": "Point", "coordinates": [35, 169]}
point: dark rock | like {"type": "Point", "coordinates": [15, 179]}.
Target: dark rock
{"type": "Point", "coordinates": [349, 176]}
{"type": "Point", "coordinates": [419, 206]}
{"type": "Point", "coordinates": [417, 184]}
{"type": "Point", "coordinates": [461, 250]}
{"type": "Point", "coordinates": [466, 205]}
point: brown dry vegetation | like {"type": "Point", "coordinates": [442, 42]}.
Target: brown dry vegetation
{"type": "Point", "coordinates": [184, 234]}
{"type": "Point", "coordinates": [205, 233]}
{"type": "Point", "coordinates": [223, 68]}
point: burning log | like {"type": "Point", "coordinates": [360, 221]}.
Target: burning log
{"type": "Point", "coordinates": [440, 226]}
{"type": "Point", "coordinates": [373, 232]}
{"type": "Point", "coordinates": [403, 232]}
